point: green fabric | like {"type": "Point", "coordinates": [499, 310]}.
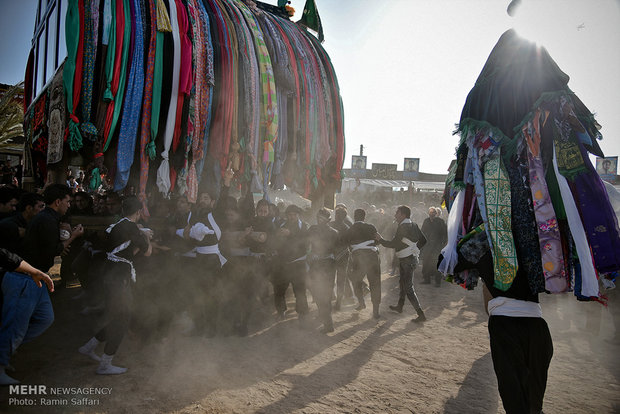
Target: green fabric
{"type": "Point", "coordinates": [310, 18]}
{"type": "Point", "coordinates": [554, 194]}
{"type": "Point", "coordinates": [109, 59]}
{"type": "Point", "coordinates": [120, 94]}
{"type": "Point", "coordinates": [156, 104]}
{"type": "Point", "coordinates": [72, 36]}
{"type": "Point", "coordinates": [499, 222]}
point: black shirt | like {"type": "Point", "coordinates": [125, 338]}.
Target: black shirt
{"type": "Point", "coordinates": [42, 242]}
{"type": "Point", "coordinates": [360, 232]}
{"type": "Point", "coordinates": [294, 245]}
{"type": "Point", "coordinates": [126, 231]}
{"type": "Point", "coordinates": [9, 233]}
{"type": "Point", "coordinates": [409, 230]}
{"type": "Point", "coordinates": [8, 261]}
{"type": "Point", "coordinates": [323, 240]}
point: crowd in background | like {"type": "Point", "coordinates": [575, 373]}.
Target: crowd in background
{"type": "Point", "coordinates": [215, 263]}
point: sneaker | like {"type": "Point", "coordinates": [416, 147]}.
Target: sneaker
{"type": "Point", "coordinates": [361, 306]}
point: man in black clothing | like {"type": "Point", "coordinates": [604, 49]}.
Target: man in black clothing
{"type": "Point", "coordinates": [364, 260]}
{"type": "Point", "coordinates": [42, 243]}
{"type": "Point", "coordinates": [323, 241]}
{"type": "Point", "coordinates": [13, 228]}
{"type": "Point", "coordinates": [29, 310]}
{"type": "Point", "coordinates": [436, 232]}
{"type": "Point", "coordinates": [8, 201]}
{"type": "Point", "coordinates": [407, 241]}
{"type": "Point", "coordinates": [342, 256]}
{"type": "Point", "coordinates": [292, 266]}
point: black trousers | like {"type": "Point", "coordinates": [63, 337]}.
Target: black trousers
{"type": "Point", "coordinates": [405, 280]}
{"type": "Point", "coordinates": [290, 273]}
{"type": "Point", "coordinates": [366, 263]}
{"type": "Point", "coordinates": [521, 349]}
{"type": "Point", "coordinates": [323, 274]}
{"type": "Point", "coordinates": [118, 302]}
{"type": "Point", "coordinates": [205, 292]}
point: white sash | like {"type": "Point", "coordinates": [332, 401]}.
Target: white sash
{"type": "Point", "coordinates": [213, 249]}
{"type": "Point", "coordinates": [114, 258]}
{"type": "Point", "coordinates": [502, 306]}
{"type": "Point", "coordinates": [366, 245]}
{"type": "Point", "coordinates": [411, 249]}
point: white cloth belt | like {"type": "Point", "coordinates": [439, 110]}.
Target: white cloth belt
{"type": "Point", "coordinates": [300, 259]}
{"type": "Point", "coordinates": [212, 249]}
{"type": "Point", "coordinates": [114, 258]}
{"type": "Point", "coordinates": [502, 306]}
{"type": "Point", "coordinates": [364, 246]}
{"type": "Point", "coordinates": [411, 249]}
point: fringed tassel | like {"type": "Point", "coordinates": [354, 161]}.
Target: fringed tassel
{"type": "Point", "coordinates": [163, 20]}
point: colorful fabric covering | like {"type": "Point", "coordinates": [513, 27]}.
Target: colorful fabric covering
{"type": "Point", "coordinates": [260, 95]}
{"type": "Point", "coordinates": [543, 134]}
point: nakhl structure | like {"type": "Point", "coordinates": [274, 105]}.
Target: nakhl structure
{"type": "Point", "coordinates": [166, 94]}
{"type": "Point", "coordinates": [523, 192]}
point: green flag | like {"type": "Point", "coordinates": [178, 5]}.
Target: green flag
{"type": "Point", "coordinates": [310, 18]}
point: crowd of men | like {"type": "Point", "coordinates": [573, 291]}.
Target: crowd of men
{"type": "Point", "coordinates": [214, 261]}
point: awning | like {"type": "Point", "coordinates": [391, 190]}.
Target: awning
{"type": "Point", "coordinates": [350, 183]}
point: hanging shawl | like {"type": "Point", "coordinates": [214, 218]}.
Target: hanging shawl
{"type": "Point", "coordinates": [163, 25]}
{"type": "Point", "coordinates": [163, 173]}
{"type": "Point", "coordinates": [123, 22]}
{"type": "Point", "coordinates": [556, 278]}
{"type": "Point", "coordinates": [224, 99]}
{"type": "Point", "coordinates": [200, 87]}
{"type": "Point", "coordinates": [72, 72]}
{"type": "Point", "coordinates": [132, 104]}
{"type": "Point", "coordinates": [269, 98]}
{"type": "Point", "coordinates": [145, 127]}
{"type": "Point", "coordinates": [183, 125]}
{"type": "Point", "coordinates": [56, 119]}
{"type": "Point", "coordinates": [207, 100]}
{"type": "Point", "coordinates": [90, 50]}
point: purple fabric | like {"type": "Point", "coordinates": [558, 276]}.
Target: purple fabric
{"type": "Point", "coordinates": [602, 226]}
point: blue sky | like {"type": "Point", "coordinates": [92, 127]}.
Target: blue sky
{"type": "Point", "coordinates": [406, 66]}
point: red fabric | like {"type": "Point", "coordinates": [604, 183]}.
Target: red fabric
{"type": "Point", "coordinates": [120, 33]}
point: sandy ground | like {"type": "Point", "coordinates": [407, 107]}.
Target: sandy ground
{"type": "Point", "coordinates": [365, 366]}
